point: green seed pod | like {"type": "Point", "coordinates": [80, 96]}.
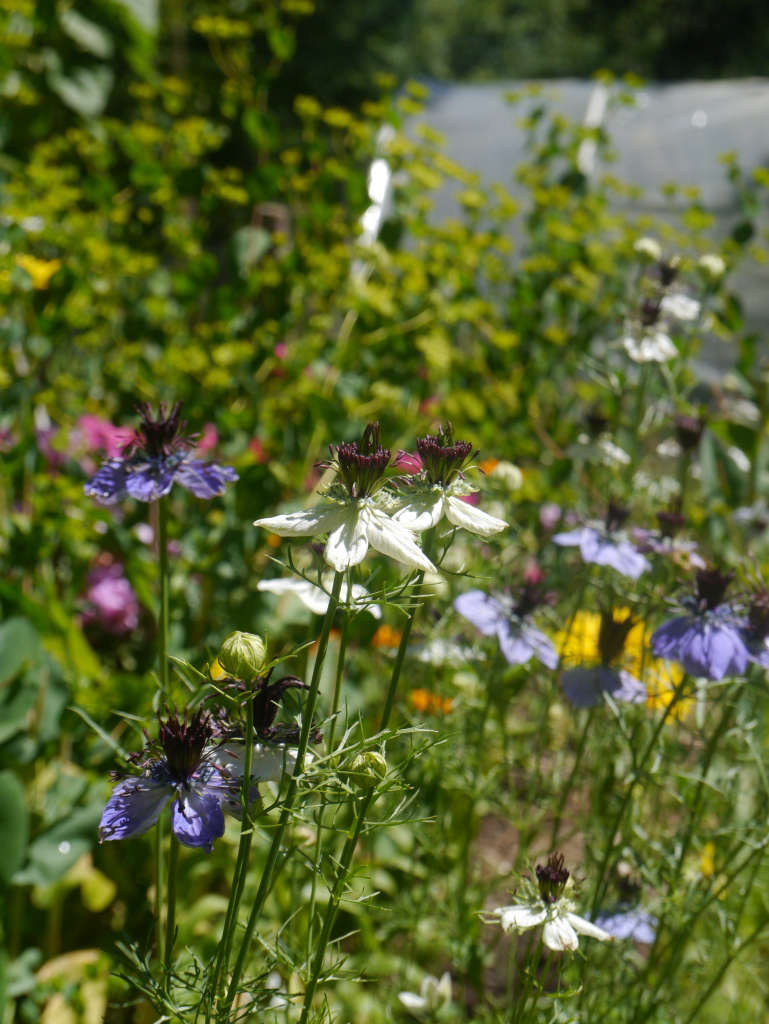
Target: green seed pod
{"type": "Point", "coordinates": [368, 769]}
{"type": "Point", "coordinates": [243, 655]}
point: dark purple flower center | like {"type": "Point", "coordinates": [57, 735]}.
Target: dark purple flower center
{"type": "Point", "coordinates": [688, 430]}
{"type": "Point", "coordinates": [650, 311]}
{"type": "Point", "coordinates": [612, 635]}
{"type": "Point", "coordinates": [597, 421]}
{"type": "Point", "coordinates": [711, 587]}
{"type": "Point", "coordinates": [616, 515]}
{"type": "Point", "coordinates": [183, 743]}
{"type": "Point", "coordinates": [442, 456]}
{"type": "Point", "coordinates": [552, 878]}
{"type": "Point", "coordinates": [362, 464]}
{"type": "Point", "coordinates": [758, 616]}
{"type": "Point", "coordinates": [529, 598]}
{"type": "Point", "coordinates": [670, 522]}
{"type": "Point", "coordinates": [668, 271]}
{"type": "Point", "coordinates": [160, 437]}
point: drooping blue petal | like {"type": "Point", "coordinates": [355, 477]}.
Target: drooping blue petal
{"type": "Point", "coordinates": [150, 481]}
{"type": "Point", "coordinates": [221, 776]}
{"type": "Point", "coordinates": [205, 479]}
{"type": "Point", "coordinates": [134, 807]}
{"type": "Point", "coordinates": [108, 484]}
{"type": "Point", "coordinates": [543, 649]}
{"type": "Point", "coordinates": [484, 611]}
{"type": "Point", "coordinates": [706, 646]}
{"type": "Point", "coordinates": [636, 924]}
{"type": "Point", "coordinates": [603, 549]}
{"type": "Point", "coordinates": [585, 687]}
{"type": "Point", "coordinates": [514, 643]}
{"type": "Point", "coordinates": [197, 818]}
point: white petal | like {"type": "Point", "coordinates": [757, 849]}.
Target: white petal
{"type": "Point", "coordinates": [520, 917]}
{"type": "Point", "coordinates": [460, 513]}
{"type": "Point", "coordinates": [558, 934]}
{"type": "Point", "coordinates": [308, 522]}
{"type": "Point", "coordinates": [654, 347]}
{"type": "Point", "coordinates": [347, 544]}
{"type": "Point", "coordinates": [443, 988]}
{"type": "Point", "coordinates": [585, 927]}
{"type": "Point", "coordinates": [394, 540]}
{"type": "Point", "coordinates": [422, 512]}
{"type": "Point", "coordinates": [412, 1001]}
{"type": "Point", "coordinates": [312, 597]}
{"type": "Point", "coordinates": [680, 306]}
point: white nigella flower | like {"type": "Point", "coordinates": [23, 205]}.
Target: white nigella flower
{"type": "Point", "coordinates": [553, 910]}
{"type": "Point", "coordinates": [434, 994]}
{"type": "Point", "coordinates": [680, 306]}
{"type": "Point", "coordinates": [712, 264]}
{"type": "Point", "coordinates": [316, 598]}
{"type": "Point", "coordinates": [439, 488]}
{"type": "Point", "coordinates": [650, 346]}
{"type": "Point", "coordinates": [350, 516]}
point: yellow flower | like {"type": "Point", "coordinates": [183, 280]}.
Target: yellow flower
{"type": "Point", "coordinates": [40, 271]}
{"type": "Point", "coordinates": [580, 646]}
{"type": "Point", "coordinates": [708, 860]}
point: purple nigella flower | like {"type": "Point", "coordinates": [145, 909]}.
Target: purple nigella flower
{"type": "Point", "coordinates": [112, 601]}
{"type": "Point", "coordinates": [604, 545]}
{"type": "Point", "coordinates": [181, 766]}
{"type": "Point", "coordinates": [519, 641]}
{"type": "Point", "coordinates": [708, 642]}
{"type": "Point", "coordinates": [623, 923]}
{"type": "Point", "coordinates": [158, 457]}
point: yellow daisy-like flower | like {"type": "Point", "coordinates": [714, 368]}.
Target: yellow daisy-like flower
{"type": "Point", "coordinates": [580, 646]}
{"type": "Point", "coordinates": [40, 271]}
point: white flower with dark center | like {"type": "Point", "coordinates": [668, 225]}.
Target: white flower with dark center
{"type": "Point", "coordinates": [350, 517]}
{"type": "Point", "coordinates": [438, 490]}
{"type": "Point", "coordinates": [434, 994]}
{"type": "Point", "coordinates": [555, 912]}
{"type": "Point", "coordinates": [316, 598]}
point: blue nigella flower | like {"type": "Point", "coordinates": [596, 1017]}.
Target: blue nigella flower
{"type": "Point", "coordinates": [624, 922]}
{"type": "Point", "coordinates": [604, 544]}
{"type": "Point", "coordinates": [708, 642]}
{"type": "Point", "coordinates": [158, 457]}
{"type": "Point", "coordinates": [500, 616]}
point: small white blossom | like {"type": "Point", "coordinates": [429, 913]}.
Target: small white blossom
{"type": "Point", "coordinates": [653, 346]}
{"type": "Point", "coordinates": [680, 306]}
{"type": "Point", "coordinates": [317, 598]}
{"type": "Point", "coordinates": [712, 264]}
{"type": "Point", "coordinates": [351, 527]}
{"type": "Point", "coordinates": [648, 247]}
{"type": "Point", "coordinates": [434, 994]}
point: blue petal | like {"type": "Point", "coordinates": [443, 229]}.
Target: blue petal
{"type": "Point", "coordinates": [205, 480]}
{"type": "Point", "coordinates": [197, 818]}
{"type": "Point", "coordinates": [636, 924]}
{"type": "Point", "coordinates": [151, 480]}
{"type": "Point", "coordinates": [618, 555]}
{"type": "Point", "coordinates": [706, 648]}
{"type": "Point", "coordinates": [543, 649]}
{"type": "Point", "coordinates": [483, 610]}
{"type": "Point", "coordinates": [108, 485]}
{"type": "Point", "coordinates": [513, 643]}
{"type": "Point", "coordinates": [585, 687]}
{"type": "Point", "coordinates": [134, 807]}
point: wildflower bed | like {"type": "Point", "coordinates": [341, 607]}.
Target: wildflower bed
{"type": "Point", "coordinates": [437, 687]}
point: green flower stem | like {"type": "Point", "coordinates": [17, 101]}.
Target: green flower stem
{"type": "Point", "coordinates": [345, 860]}
{"type": "Point", "coordinates": [601, 881]}
{"type": "Point", "coordinates": [241, 863]}
{"type": "Point", "coordinates": [581, 745]}
{"type": "Point", "coordinates": [162, 535]}
{"type": "Point", "coordinates": [338, 680]}
{"type": "Point", "coordinates": [265, 883]}
{"type": "Point", "coordinates": [173, 861]}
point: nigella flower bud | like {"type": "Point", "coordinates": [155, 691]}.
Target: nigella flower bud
{"type": "Point", "coordinates": [668, 270]}
{"type": "Point", "coordinates": [243, 655]}
{"type": "Point", "coordinates": [368, 769]}
{"type": "Point", "coordinates": [649, 312]}
{"type": "Point", "coordinates": [552, 878]}
{"type": "Point", "coordinates": [362, 464]}
{"type": "Point", "coordinates": [616, 515]}
{"type": "Point", "coordinates": [442, 456]}
{"type": "Point", "coordinates": [688, 430]}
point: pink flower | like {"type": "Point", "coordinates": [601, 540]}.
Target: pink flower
{"type": "Point", "coordinates": [409, 463]}
{"type": "Point", "coordinates": [281, 350]}
{"type": "Point", "coordinates": [112, 603]}
{"type": "Point", "coordinates": [209, 439]}
{"type": "Point", "coordinates": [101, 435]}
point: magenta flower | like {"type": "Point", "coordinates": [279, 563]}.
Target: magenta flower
{"type": "Point", "coordinates": [111, 600]}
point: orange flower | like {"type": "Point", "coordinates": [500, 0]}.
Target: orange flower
{"type": "Point", "coordinates": [433, 703]}
{"type": "Point", "coordinates": [488, 465]}
{"type": "Point", "coordinates": [386, 636]}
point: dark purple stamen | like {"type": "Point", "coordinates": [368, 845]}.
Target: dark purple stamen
{"type": "Point", "coordinates": [160, 437]}
{"type": "Point", "coordinates": [668, 271]}
{"type": "Point", "coordinates": [530, 597]}
{"type": "Point", "coordinates": [552, 878]}
{"type": "Point", "coordinates": [362, 464]}
{"type": "Point", "coordinates": [670, 522]}
{"type": "Point", "coordinates": [711, 587]}
{"type": "Point", "coordinates": [688, 430]}
{"type": "Point", "coordinates": [616, 516]}
{"type": "Point", "coordinates": [650, 311]}
{"type": "Point", "coordinates": [183, 743]}
{"type": "Point", "coordinates": [612, 635]}
{"type": "Point", "coordinates": [442, 456]}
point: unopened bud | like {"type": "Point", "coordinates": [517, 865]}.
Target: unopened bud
{"type": "Point", "coordinates": [243, 655]}
{"type": "Point", "coordinates": [648, 248]}
{"type": "Point", "coordinates": [368, 769]}
{"type": "Point", "coordinates": [712, 265]}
